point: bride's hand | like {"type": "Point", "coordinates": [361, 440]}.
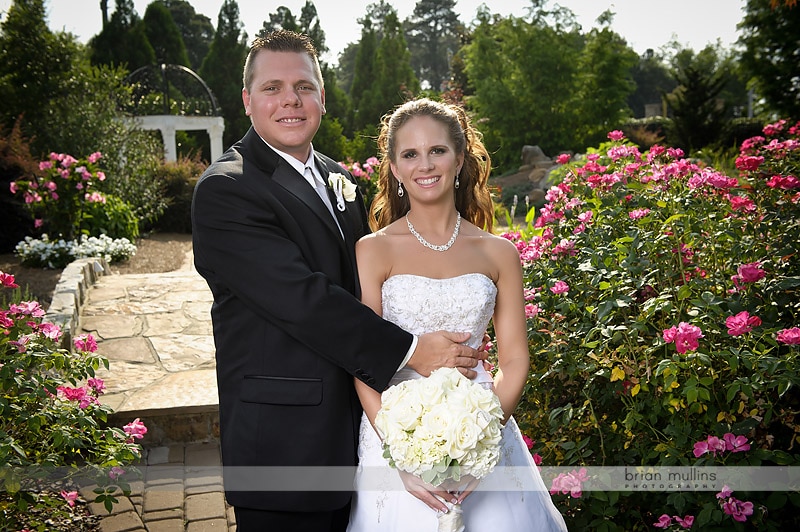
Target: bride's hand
{"type": "Point", "coordinates": [427, 493]}
{"type": "Point", "coordinates": [463, 488]}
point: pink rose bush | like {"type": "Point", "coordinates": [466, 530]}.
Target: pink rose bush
{"type": "Point", "coordinates": [674, 337]}
{"type": "Point", "coordinates": [53, 418]}
{"type": "Point", "coordinates": [365, 174]}
{"type": "Point", "coordinates": [58, 194]}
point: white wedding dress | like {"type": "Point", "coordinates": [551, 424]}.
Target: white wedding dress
{"type": "Point", "coordinates": [513, 498]}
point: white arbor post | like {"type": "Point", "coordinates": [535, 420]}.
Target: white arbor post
{"type": "Point", "coordinates": [169, 124]}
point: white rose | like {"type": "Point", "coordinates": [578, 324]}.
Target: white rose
{"type": "Point", "coordinates": [429, 391]}
{"type": "Point", "coordinates": [437, 421]}
{"type": "Point", "coordinates": [463, 436]}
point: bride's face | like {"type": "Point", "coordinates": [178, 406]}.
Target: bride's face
{"type": "Point", "coordinates": [426, 161]}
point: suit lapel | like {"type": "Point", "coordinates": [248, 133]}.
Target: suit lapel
{"type": "Point", "coordinates": [288, 178]}
{"type": "Point", "coordinates": [341, 217]}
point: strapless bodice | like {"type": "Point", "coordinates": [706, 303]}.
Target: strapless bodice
{"type": "Point", "coordinates": [457, 304]}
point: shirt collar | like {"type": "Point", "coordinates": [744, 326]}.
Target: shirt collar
{"type": "Point", "coordinates": [297, 165]}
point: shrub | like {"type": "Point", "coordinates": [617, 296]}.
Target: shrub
{"type": "Point", "coordinates": [663, 322]}
{"type": "Point", "coordinates": [15, 161]}
{"type": "Point", "coordinates": [64, 200]}
{"type": "Point", "coordinates": [110, 216]}
{"type": "Point", "coordinates": [52, 427]}
{"type": "Point", "coordinates": [365, 174]}
{"type": "Point", "coordinates": [178, 179]}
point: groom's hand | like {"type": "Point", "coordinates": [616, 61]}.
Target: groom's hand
{"type": "Point", "coordinates": [444, 349]}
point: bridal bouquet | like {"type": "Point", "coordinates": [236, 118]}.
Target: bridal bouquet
{"type": "Point", "coordinates": [441, 428]}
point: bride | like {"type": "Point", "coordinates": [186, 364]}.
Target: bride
{"type": "Point", "coordinates": [433, 264]}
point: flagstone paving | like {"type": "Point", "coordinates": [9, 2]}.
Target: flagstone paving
{"type": "Point", "coordinates": [155, 331]}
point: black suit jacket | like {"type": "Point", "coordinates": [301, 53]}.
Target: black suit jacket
{"type": "Point", "coordinates": [289, 330]}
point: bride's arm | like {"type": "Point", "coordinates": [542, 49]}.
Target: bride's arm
{"type": "Point", "coordinates": [511, 333]}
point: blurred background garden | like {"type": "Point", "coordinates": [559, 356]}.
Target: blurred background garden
{"type": "Point", "coordinates": [653, 197]}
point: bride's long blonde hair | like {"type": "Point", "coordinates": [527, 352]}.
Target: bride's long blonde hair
{"type": "Point", "coordinates": [472, 197]}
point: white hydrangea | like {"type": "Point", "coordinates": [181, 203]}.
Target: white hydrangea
{"type": "Point", "coordinates": [46, 253]}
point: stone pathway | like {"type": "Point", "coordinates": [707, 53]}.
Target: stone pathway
{"type": "Point", "coordinates": [155, 330]}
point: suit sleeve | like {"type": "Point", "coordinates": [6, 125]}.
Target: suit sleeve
{"type": "Point", "coordinates": [256, 252]}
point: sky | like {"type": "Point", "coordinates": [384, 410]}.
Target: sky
{"type": "Point", "coordinates": [643, 23]}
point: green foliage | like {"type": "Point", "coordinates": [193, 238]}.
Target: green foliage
{"type": "Point", "coordinates": [652, 80]}
{"type": "Point", "coordinates": [35, 64]}
{"type": "Point", "coordinates": [664, 304]}
{"type": "Point", "coordinates": [603, 83]}
{"type": "Point", "coordinates": [770, 59]}
{"type": "Point", "coordinates": [164, 36]}
{"type": "Point", "coordinates": [432, 32]}
{"type": "Point", "coordinates": [15, 161]}
{"type": "Point", "coordinates": [53, 425]}
{"type": "Point", "coordinates": [222, 70]}
{"type": "Point", "coordinates": [196, 30]}
{"type": "Point", "coordinates": [112, 217]}
{"type": "Point", "coordinates": [530, 67]}
{"type": "Point", "coordinates": [363, 76]}
{"type": "Point", "coordinates": [179, 179]}
{"type": "Point", "coordinates": [123, 41]}
{"type": "Point", "coordinates": [698, 109]}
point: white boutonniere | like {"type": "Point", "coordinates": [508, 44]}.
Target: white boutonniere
{"type": "Point", "coordinates": [344, 189]}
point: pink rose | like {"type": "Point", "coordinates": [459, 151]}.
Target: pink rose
{"type": "Point", "coordinates": [789, 336]}
{"type": "Point", "coordinates": [741, 323]}
{"type": "Point", "coordinates": [560, 287]}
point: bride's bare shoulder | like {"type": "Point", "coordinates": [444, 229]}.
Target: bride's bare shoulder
{"type": "Point", "coordinates": [380, 240]}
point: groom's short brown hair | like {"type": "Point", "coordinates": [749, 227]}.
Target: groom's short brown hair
{"type": "Point", "coordinates": [281, 41]}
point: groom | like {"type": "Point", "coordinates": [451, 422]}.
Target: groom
{"type": "Point", "coordinates": [276, 246]}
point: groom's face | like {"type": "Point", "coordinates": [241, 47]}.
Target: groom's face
{"type": "Point", "coordinates": [285, 101]}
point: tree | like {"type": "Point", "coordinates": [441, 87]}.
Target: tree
{"type": "Point", "coordinates": [653, 80]}
{"type": "Point", "coordinates": [348, 60]}
{"type": "Point", "coordinates": [770, 57]}
{"type": "Point", "coordinates": [603, 81]}
{"type": "Point", "coordinates": [394, 80]}
{"type": "Point", "coordinates": [432, 32]}
{"type": "Point", "coordinates": [35, 64]}
{"type": "Point", "coordinates": [122, 42]}
{"type": "Point", "coordinates": [364, 73]}
{"type": "Point", "coordinates": [521, 75]}
{"type": "Point", "coordinates": [164, 35]}
{"type": "Point", "coordinates": [698, 112]}
{"type": "Point", "coordinates": [222, 70]}
{"type": "Point", "coordinates": [196, 29]}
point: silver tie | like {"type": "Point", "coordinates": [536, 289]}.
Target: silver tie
{"type": "Point", "coordinates": [319, 186]}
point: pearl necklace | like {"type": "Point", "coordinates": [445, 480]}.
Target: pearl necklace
{"type": "Point", "coordinates": [432, 246]}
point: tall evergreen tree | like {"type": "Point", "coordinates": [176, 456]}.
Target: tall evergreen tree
{"type": "Point", "coordinates": [394, 81]}
{"type": "Point", "coordinates": [35, 64]}
{"type": "Point", "coordinates": [432, 32]}
{"type": "Point", "coordinates": [196, 29]}
{"type": "Point", "coordinates": [222, 70]}
{"type": "Point", "coordinates": [698, 111]}
{"type": "Point", "coordinates": [364, 74]}
{"type": "Point", "coordinates": [164, 35]}
{"type": "Point", "coordinates": [122, 42]}
{"type": "Point", "coordinates": [771, 57]}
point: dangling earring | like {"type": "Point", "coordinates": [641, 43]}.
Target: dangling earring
{"type": "Point", "coordinates": [457, 183]}
{"type": "Point", "coordinates": [400, 191]}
